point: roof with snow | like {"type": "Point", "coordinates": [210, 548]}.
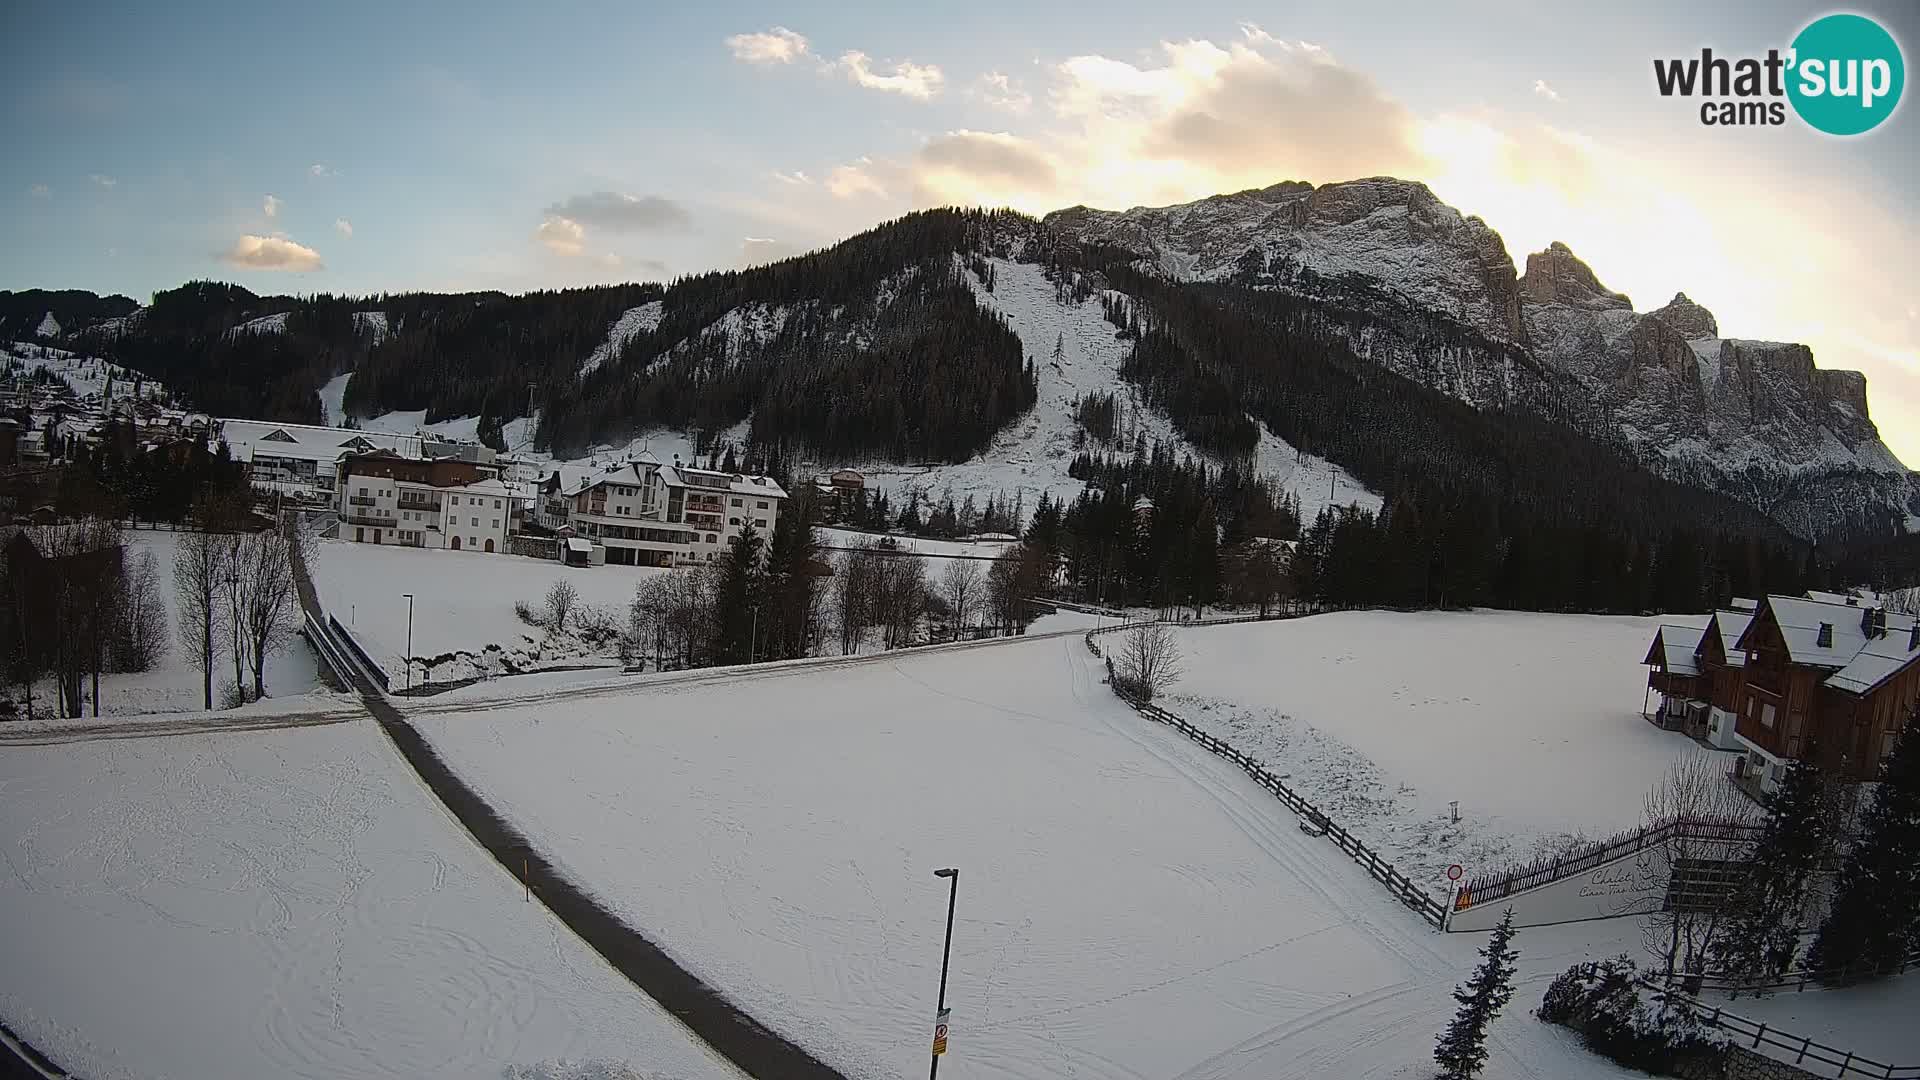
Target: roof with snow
{"type": "Point", "coordinates": [308, 442]}
{"type": "Point", "coordinates": [1730, 625]}
{"type": "Point", "coordinates": [1885, 656]}
{"type": "Point", "coordinates": [1677, 644]}
{"type": "Point", "coordinates": [1801, 621]}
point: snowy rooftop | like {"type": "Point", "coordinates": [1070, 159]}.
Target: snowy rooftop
{"type": "Point", "coordinates": [306, 441]}
{"type": "Point", "coordinates": [1731, 624]}
{"type": "Point", "coordinates": [575, 479]}
{"type": "Point", "coordinates": [1678, 644]}
{"type": "Point", "coordinates": [1880, 658]}
{"type": "Point", "coordinates": [1801, 621]}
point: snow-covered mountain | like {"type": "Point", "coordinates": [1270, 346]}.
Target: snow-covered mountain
{"type": "Point", "coordinates": [1756, 420]}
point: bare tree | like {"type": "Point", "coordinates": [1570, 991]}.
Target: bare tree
{"type": "Point", "coordinates": [1707, 810]}
{"type": "Point", "coordinates": [1904, 601]}
{"type": "Point", "coordinates": [199, 567]}
{"type": "Point", "coordinates": [562, 598]}
{"type": "Point", "coordinates": [269, 606]}
{"type": "Point", "coordinates": [142, 638]}
{"type": "Point", "coordinates": [84, 580]}
{"type": "Point", "coordinates": [1149, 660]}
{"type": "Point", "coordinates": [899, 599]}
{"type": "Point", "coordinates": [853, 596]}
{"type": "Point", "coordinates": [960, 586]}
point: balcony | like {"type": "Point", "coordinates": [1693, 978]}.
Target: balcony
{"type": "Point", "coordinates": [419, 504]}
{"type": "Point", "coordinates": [362, 500]}
{"type": "Point", "coordinates": [369, 519]}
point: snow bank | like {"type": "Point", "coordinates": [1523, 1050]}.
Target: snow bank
{"type": "Point", "coordinates": [333, 396]}
{"type": "Point", "coordinates": [288, 904]}
{"type": "Point", "coordinates": [1531, 721]}
{"type": "Point", "coordinates": [631, 323]}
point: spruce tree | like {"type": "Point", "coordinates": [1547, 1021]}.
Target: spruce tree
{"type": "Point", "coordinates": [1875, 920]}
{"type": "Point", "coordinates": [1462, 1048]}
{"type": "Point", "coordinates": [1763, 933]}
{"type": "Point", "coordinates": [736, 599]}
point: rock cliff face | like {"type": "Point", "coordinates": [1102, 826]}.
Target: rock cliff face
{"type": "Point", "coordinates": [1754, 419]}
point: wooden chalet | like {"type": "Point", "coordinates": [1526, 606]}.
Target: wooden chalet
{"type": "Point", "coordinates": [1836, 679]}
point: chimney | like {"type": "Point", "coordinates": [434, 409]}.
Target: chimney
{"type": "Point", "coordinates": [1913, 637]}
{"type": "Point", "coordinates": [1852, 600]}
{"type": "Point", "coordinates": [1825, 638]}
{"type": "Point", "coordinates": [1873, 622]}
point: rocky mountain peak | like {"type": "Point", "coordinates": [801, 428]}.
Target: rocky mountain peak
{"type": "Point", "coordinates": [1688, 319]}
{"type": "Point", "coordinates": [1557, 276]}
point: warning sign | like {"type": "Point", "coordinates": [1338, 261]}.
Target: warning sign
{"type": "Point", "coordinates": [940, 1032]}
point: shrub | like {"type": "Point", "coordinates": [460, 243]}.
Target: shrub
{"type": "Point", "coordinates": [1602, 1002]}
{"type": "Point", "coordinates": [524, 611]}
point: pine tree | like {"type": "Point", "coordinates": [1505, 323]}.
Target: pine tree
{"type": "Point", "coordinates": [736, 599]}
{"type": "Point", "coordinates": [1764, 932]}
{"type": "Point", "coordinates": [1462, 1048]}
{"type": "Point", "coordinates": [1875, 919]}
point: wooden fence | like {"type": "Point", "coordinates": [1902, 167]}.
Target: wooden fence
{"type": "Point", "coordinates": [1499, 885]}
{"type": "Point", "coordinates": [344, 636]}
{"type": "Point", "coordinates": [1312, 818]}
{"type": "Point", "coordinates": [1797, 979]}
{"type": "Point", "coordinates": [1805, 1051]}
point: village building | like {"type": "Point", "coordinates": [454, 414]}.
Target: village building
{"type": "Point", "coordinates": [386, 498]}
{"type": "Point", "coordinates": [643, 513]}
{"type": "Point", "coordinates": [1833, 677]}
{"type": "Point", "coordinates": [298, 460]}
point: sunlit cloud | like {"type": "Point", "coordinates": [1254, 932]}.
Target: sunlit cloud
{"type": "Point", "coordinates": [343, 227]}
{"type": "Point", "coordinates": [317, 169]}
{"type": "Point", "coordinates": [796, 178]}
{"type": "Point", "coordinates": [1541, 88]}
{"type": "Point", "coordinates": [1002, 91]}
{"type": "Point", "coordinates": [40, 191]}
{"type": "Point", "coordinates": [776, 46]}
{"type": "Point", "coordinates": [103, 181]}
{"type": "Point", "coordinates": [562, 236]}
{"type": "Point", "coordinates": [270, 207]}
{"type": "Point", "coordinates": [918, 81]}
{"type": "Point", "coordinates": [252, 252]}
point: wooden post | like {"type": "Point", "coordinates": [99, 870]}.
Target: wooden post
{"type": "Point", "coordinates": [526, 879]}
{"type": "Point", "coordinates": [1758, 1035]}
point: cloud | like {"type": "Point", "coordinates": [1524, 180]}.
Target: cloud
{"type": "Point", "coordinates": [272, 253]}
{"type": "Point", "coordinates": [863, 177]}
{"type": "Point", "coordinates": [994, 157]}
{"type": "Point", "coordinates": [271, 207]}
{"type": "Point", "coordinates": [40, 191]}
{"type": "Point", "coordinates": [795, 177]}
{"type": "Point", "coordinates": [103, 181]}
{"type": "Point", "coordinates": [562, 236]}
{"type": "Point", "coordinates": [1541, 88]}
{"type": "Point", "coordinates": [776, 46]}
{"type": "Point", "coordinates": [1002, 91]}
{"type": "Point", "coordinates": [760, 250]}
{"type": "Point", "coordinates": [918, 81]}
{"type": "Point", "coordinates": [317, 169]}
{"type": "Point", "coordinates": [343, 227]}
{"type": "Point", "coordinates": [621, 213]}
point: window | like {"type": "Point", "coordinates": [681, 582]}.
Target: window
{"type": "Point", "coordinates": [475, 522]}
{"type": "Point", "coordinates": [496, 523]}
{"type": "Point", "coordinates": [736, 502]}
{"type": "Point", "coordinates": [454, 499]}
{"type": "Point", "coordinates": [733, 521]}
{"type": "Point", "coordinates": [496, 504]}
{"type": "Point", "coordinates": [710, 539]}
{"type": "Point", "coordinates": [363, 489]}
{"type": "Point", "coordinates": [1766, 716]}
{"type": "Point", "coordinates": [759, 523]}
{"type": "Point", "coordinates": [1886, 743]}
{"type": "Point", "coordinates": [761, 505]}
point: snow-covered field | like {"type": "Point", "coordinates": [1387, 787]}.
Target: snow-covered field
{"type": "Point", "coordinates": [289, 904]}
{"type": "Point", "coordinates": [1129, 906]}
{"type": "Point", "coordinates": [174, 686]}
{"type": "Point", "coordinates": [463, 603]}
{"type": "Point", "coordinates": [1873, 1021]}
{"type": "Point", "coordinates": [87, 375]}
{"type": "Point", "coordinates": [1532, 722]}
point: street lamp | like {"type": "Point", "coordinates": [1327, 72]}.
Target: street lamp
{"type": "Point", "coordinates": [940, 1015]}
{"type": "Point", "coordinates": [409, 597]}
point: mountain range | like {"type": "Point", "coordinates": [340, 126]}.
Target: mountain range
{"type": "Point", "coordinates": [894, 347]}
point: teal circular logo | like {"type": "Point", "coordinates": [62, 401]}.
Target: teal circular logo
{"type": "Point", "coordinates": [1847, 74]}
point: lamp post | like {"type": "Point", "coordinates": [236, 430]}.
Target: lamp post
{"type": "Point", "coordinates": [940, 1015]}
{"type": "Point", "coordinates": [409, 597]}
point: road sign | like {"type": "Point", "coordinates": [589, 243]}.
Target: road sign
{"type": "Point", "coordinates": [1455, 871]}
{"type": "Point", "coordinates": [940, 1032]}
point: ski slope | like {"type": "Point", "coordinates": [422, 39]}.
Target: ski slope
{"type": "Point", "coordinates": [289, 904]}
{"type": "Point", "coordinates": [1532, 722]}
{"type": "Point", "coordinates": [1128, 905]}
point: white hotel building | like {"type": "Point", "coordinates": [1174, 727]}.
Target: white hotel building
{"type": "Point", "coordinates": [648, 514]}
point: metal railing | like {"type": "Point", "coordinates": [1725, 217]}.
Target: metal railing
{"type": "Point", "coordinates": [362, 500]}
{"type": "Point", "coordinates": [1796, 978]}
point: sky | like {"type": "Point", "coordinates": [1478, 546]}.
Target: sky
{"type": "Point", "coordinates": [362, 148]}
